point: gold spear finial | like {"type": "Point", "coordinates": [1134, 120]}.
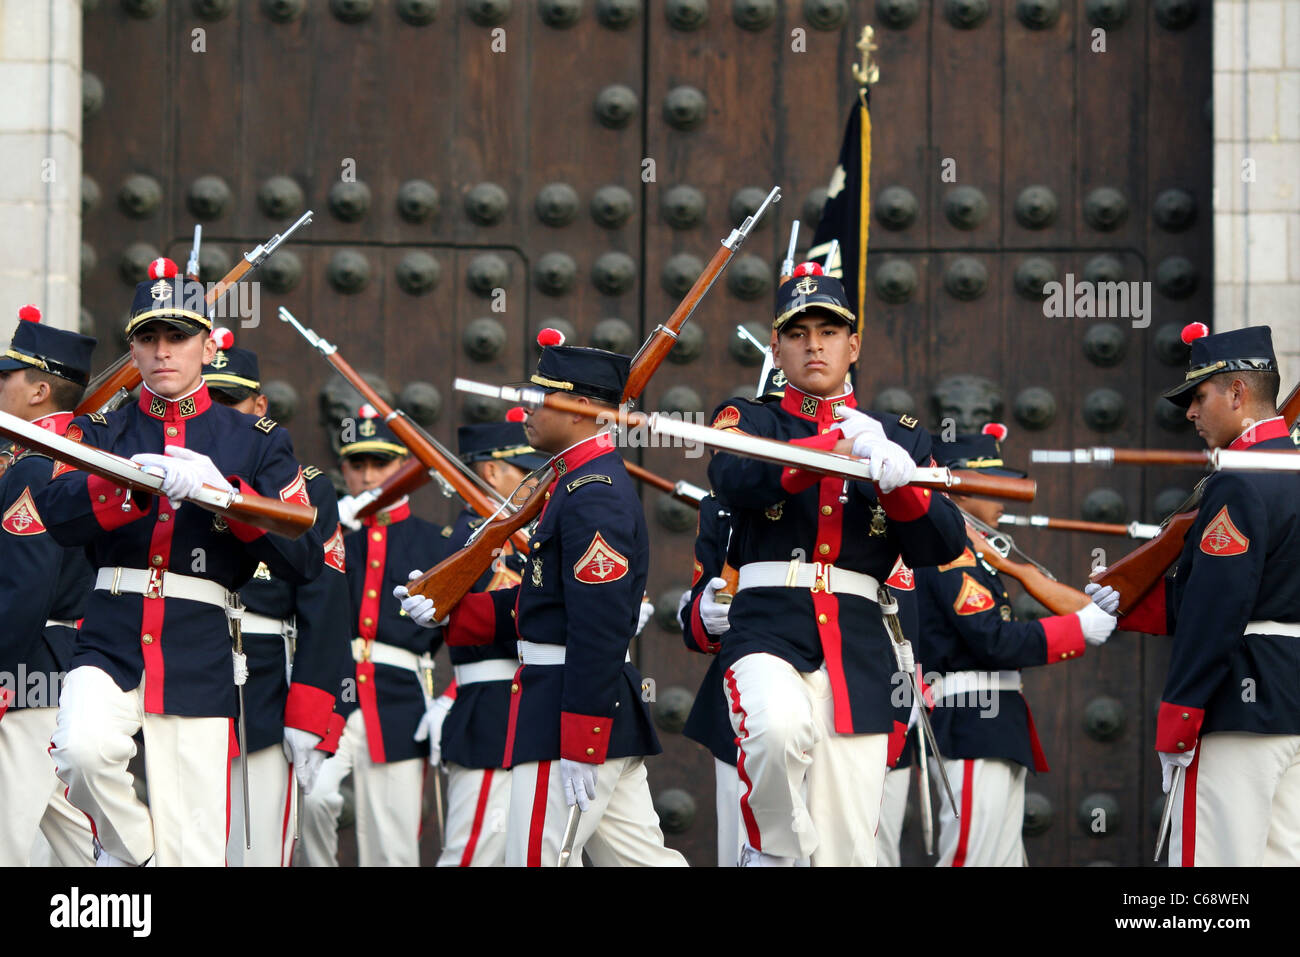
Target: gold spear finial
{"type": "Point", "coordinates": [868, 72]}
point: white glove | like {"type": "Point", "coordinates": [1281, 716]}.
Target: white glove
{"type": "Point", "coordinates": [431, 728]}
{"type": "Point", "coordinates": [1103, 596]}
{"type": "Point", "coordinates": [184, 471]}
{"type": "Point", "coordinates": [857, 423]}
{"type": "Point", "coordinates": [348, 513]}
{"type": "Point", "coordinates": [888, 463]}
{"type": "Point", "coordinates": [241, 667]}
{"type": "Point", "coordinates": [643, 619]}
{"type": "Point", "coordinates": [417, 607]}
{"type": "Point", "coordinates": [300, 751]}
{"type": "Point", "coordinates": [579, 781]}
{"type": "Point", "coordinates": [713, 612]}
{"type": "Point", "coordinates": [1170, 761]}
{"type": "Point", "coordinates": [681, 603]}
{"type": "Point", "coordinates": [1096, 624]}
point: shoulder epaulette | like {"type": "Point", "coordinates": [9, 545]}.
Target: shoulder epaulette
{"type": "Point", "coordinates": [97, 418]}
{"type": "Point", "coordinates": [908, 422]}
{"type": "Point", "coordinates": [446, 531]}
{"type": "Point", "coordinates": [264, 424]}
{"type": "Point", "coordinates": [310, 472]}
{"type": "Point", "coordinates": [579, 482]}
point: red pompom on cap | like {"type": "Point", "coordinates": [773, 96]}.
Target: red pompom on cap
{"type": "Point", "coordinates": [29, 313]}
{"type": "Point", "coordinates": [223, 337]}
{"type": "Point", "coordinates": [997, 430]}
{"type": "Point", "coordinates": [517, 414]}
{"type": "Point", "coordinates": [550, 337]}
{"type": "Point", "coordinates": [368, 411]}
{"type": "Point", "coordinates": [808, 269]}
{"type": "Point", "coordinates": [162, 269]}
{"type": "Point", "coordinates": [1194, 330]}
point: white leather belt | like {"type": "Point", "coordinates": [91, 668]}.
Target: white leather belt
{"type": "Point", "coordinates": [956, 683]}
{"type": "Point", "coordinates": [255, 624]}
{"type": "Point", "coordinates": [494, 669]}
{"type": "Point", "coordinates": [815, 576]}
{"type": "Point", "coordinates": [382, 654]}
{"type": "Point", "coordinates": [52, 622]}
{"type": "Point", "coordinates": [1289, 628]}
{"type": "Point", "coordinates": [533, 653]}
{"type": "Point", "coordinates": [157, 583]}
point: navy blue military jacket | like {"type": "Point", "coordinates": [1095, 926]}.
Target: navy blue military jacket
{"type": "Point", "coordinates": [1238, 566]}
{"type": "Point", "coordinates": [782, 513]}
{"type": "Point", "coordinates": [966, 625]}
{"type": "Point", "coordinates": [40, 581]}
{"type": "Point", "coordinates": [582, 590]}
{"type": "Point", "coordinates": [474, 732]}
{"type": "Point", "coordinates": [181, 647]}
{"type": "Point", "coordinates": [321, 614]}
{"type": "Point", "coordinates": [380, 555]}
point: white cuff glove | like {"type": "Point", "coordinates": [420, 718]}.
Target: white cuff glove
{"type": "Point", "coordinates": [417, 607]}
{"type": "Point", "coordinates": [348, 513]}
{"type": "Point", "coordinates": [1096, 624]}
{"type": "Point", "coordinates": [183, 471]}
{"type": "Point", "coordinates": [888, 463]}
{"type": "Point", "coordinates": [241, 667]}
{"type": "Point", "coordinates": [431, 728]}
{"type": "Point", "coordinates": [579, 782]}
{"type": "Point", "coordinates": [682, 602]}
{"type": "Point", "coordinates": [857, 423]}
{"type": "Point", "coordinates": [644, 616]}
{"type": "Point", "coordinates": [1103, 596]}
{"type": "Point", "coordinates": [713, 612]}
{"type": "Point", "coordinates": [300, 750]}
{"type": "Point", "coordinates": [1170, 761]}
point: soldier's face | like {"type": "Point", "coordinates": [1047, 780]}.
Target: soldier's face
{"type": "Point", "coordinates": [363, 472]}
{"type": "Point", "coordinates": [1217, 412]}
{"type": "Point", "coordinates": [17, 394]}
{"type": "Point", "coordinates": [502, 476]}
{"type": "Point", "coordinates": [815, 352]}
{"type": "Point", "coordinates": [170, 360]}
{"type": "Point", "coordinates": [987, 510]}
{"type": "Point", "coordinates": [548, 429]}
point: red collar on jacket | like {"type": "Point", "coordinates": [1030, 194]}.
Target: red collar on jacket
{"type": "Point", "coordinates": [186, 407]}
{"type": "Point", "coordinates": [815, 408]}
{"type": "Point", "coordinates": [1274, 428]}
{"type": "Point", "coordinates": [389, 516]}
{"type": "Point", "coordinates": [578, 455]}
{"type": "Point", "coordinates": [57, 422]}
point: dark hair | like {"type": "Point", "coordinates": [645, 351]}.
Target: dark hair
{"type": "Point", "coordinates": [64, 394]}
{"type": "Point", "coordinates": [231, 395]}
{"type": "Point", "coordinates": [1263, 386]}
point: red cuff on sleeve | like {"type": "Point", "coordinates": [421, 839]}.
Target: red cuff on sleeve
{"type": "Point", "coordinates": [241, 531]}
{"type": "Point", "coordinates": [5, 697]}
{"type": "Point", "coordinates": [1178, 727]}
{"type": "Point", "coordinates": [473, 621]}
{"type": "Point", "coordinates": [1149, 616]}
{"type": "Point", "coordinates": [330, 744]}
{"type": "Point", "coordinates": [796, 480]}
{"type": "Point", "coordinates": [897, 741]}
{"type": "Point", "coordinates": [308, 709]}
{"type": "Point", "coordinates": [703, 640]}
{"type": "Point", "coordinates": [584, 737]}
{"type": "Point", "coordinates": [906, 504]}
{"type": "Point", "coordinates": [450, 691]}
{"type": "Point", "coordinates": [106, 499]}
{"type": "Point", "coordinates": [1064, 637]}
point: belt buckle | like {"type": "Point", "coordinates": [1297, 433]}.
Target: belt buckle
{"type": "Point", "coordinates": [360, 650]}
{"type": "Point", "coordinates": [154, 587]}
{"type": "Point", "coordinates": [821, 577]}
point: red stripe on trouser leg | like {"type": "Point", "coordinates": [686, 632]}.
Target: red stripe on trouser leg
{"type": "Point", "coordinates": [284, 826]}
{"type": "Point", "coordinates": [537, 827]}
{"type": "Point", "coordinates": [752, 834]}
{"type": "Point", "coordinates": [479, 810]}
{"type": "Point", "coordinates": [967, 799]}
{"type": "Point", "coordinates": [1189, 811]}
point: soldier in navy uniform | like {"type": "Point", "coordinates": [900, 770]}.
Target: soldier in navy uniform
{"type": "Point", "coordinates": [807, 662]}
{"type": "Point", "coordinates": [973, 649]}
{"type": "Point", "coordinates": [295, 639]}
{"type": "Point", "coordinates": [1230, 714]}
{"type": "Point", "coordinates": [578, 729]}
{"type": "Point", "coordinates": [43, 590]}
{"type": "Point", "coordinates": [154, 650]}
{"type": "Point", "coordinates": [387, 697]}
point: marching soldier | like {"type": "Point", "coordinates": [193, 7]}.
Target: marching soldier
{"type": "Point", "coordinates": [154, 650]}
{"type": "Point", "coordinates": [970, 640]}
{"type": "Point", "coordinates": [43, 590]}
{"type": "Point", "coordinates": [387, 698]}
{"type": "Point", "coordinates": [1230, 714]}
{"type": "Point", "coordinates": [295, 637]}
{"type": "Point", "coordinates": [578, 730]}
{"type": "Point", "coordinates": [807, 660]}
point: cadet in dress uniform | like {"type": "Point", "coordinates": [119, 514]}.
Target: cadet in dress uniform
{"type": "Point", "coordinates": [43, 590]}
{"type": "Point", "coordinates": [578, 728]}
{"type": "Point", "coordinates": [1230, 714]}
{"type": "Point", "coordinates": [473, 736]}
{"type": "Point", "coordinates": [295, 638]}
{"type": "Point", "coordinates": [970, 641]}
{"type": "Point", "coordinates": [387, 699]}
{"type": "Point", "coordinates": [807, 661]}
{"type": "Point", "coordinates": [154, 650]}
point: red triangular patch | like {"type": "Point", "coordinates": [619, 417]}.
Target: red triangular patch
{"type": "Point", "coordinates": [296, 491]}
{"type": "Point", "coordinates": [1223, 539]}
{"type": "Point", "coordinates": [600, 563]}
{"type": "Point", "coordinates": [22, 517]}
{"type": "Point", "coordinates": [901, 577]}
{"type": "Point", "coordinates": [973, 597]}
{"type": "Point", "coordinates": [334, 551]}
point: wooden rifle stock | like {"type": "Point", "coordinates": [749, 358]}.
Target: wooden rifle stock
{"type": "Point", "coordinates": [1059, 598]}
{"type": "Point", "coordinates": [121, 376]}
{"type": "Point", "coordinates": [284, 518]}
{"type": "Point", "coordinates": [646, 477]}
{"type": "Point", "coordinates": [995, 486]}
{"type": "Point", "coordinates": [1137, 572]}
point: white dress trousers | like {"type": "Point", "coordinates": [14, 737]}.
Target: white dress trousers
{"type": "Point", "coordinates": [32, 798]}
{"type": "Point", "coordinates": [478, 807]}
